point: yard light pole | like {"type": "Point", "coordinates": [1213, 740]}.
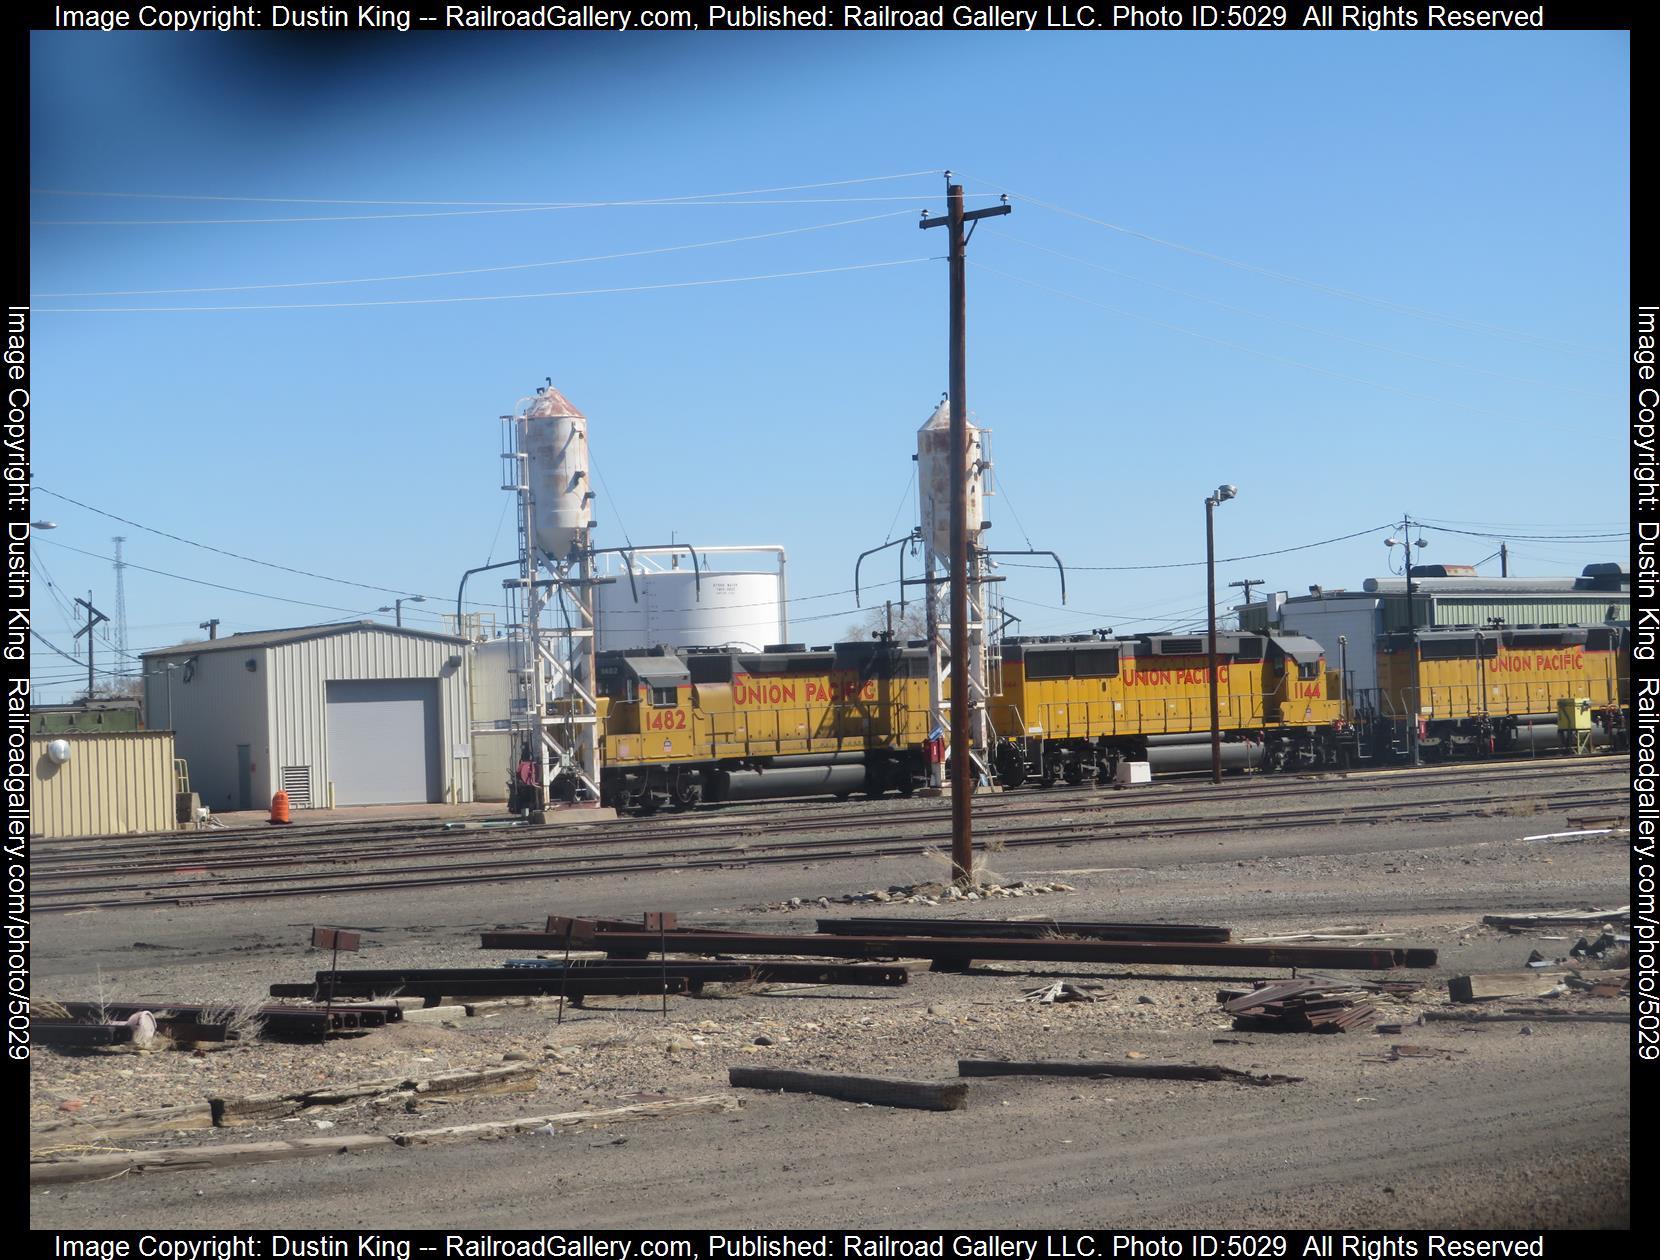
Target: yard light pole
{"type": "Point", "coordinates": [397, 606]}
{"type": "Point", "coordinates": [1406, 543]}
{"type": "Point", "coordinates": [1222, 495]}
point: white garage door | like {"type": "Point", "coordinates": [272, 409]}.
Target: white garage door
{"type": "Point", "coordinates": [383, 741]}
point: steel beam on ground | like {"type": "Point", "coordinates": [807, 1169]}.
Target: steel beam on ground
{"type": "Point", "coordinates": [63, 1032]}
{"type": "Point", "coordinates": [278, 1021]}
{"type": "Point", "coordinates": [1023, 928]}
{"type": "Point", "coordinates": [767, 972]}
{"type": "Point", "coordinates": [505, 985]}
{"type": "Point", "coordinates": [961, 950]}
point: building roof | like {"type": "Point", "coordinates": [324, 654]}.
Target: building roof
{"type": "Point", "coordinates": [295, 634]}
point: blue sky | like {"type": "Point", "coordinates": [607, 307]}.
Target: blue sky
{"type": "Point", "coordinates": [1430, 315]}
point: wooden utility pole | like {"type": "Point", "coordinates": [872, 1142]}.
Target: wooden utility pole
{"type": "Point", "coordinates": [962, 703]}
{"type": "Point", "coordinates": [93, 617]}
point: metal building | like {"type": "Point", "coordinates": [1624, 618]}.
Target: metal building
{"type": "Point", "coordinates": [84, 783]}
{"type": "Point", "coordinates": [1602, 594]}
{"type": "Point", "coordinates": [357, 713]}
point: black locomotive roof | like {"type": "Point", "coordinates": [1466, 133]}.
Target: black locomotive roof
{"type": "Point", "coordinates": [1303, 650]}
{"type": "Point", "coordinates": [659, 671]}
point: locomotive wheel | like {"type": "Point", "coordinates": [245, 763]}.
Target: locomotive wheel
{"type": "Point", "coordinates": [1074, 772]}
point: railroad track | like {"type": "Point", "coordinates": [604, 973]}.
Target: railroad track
{"type": "Point", "coordinates": [109, 857]}
{"type": "Point", "coordinates": [53, 896]}
{"type": "Point", "coordinates": [281, 849]}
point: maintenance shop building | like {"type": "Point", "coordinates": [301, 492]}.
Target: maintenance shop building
{"type": "Point", "coordinates": [348, 714]}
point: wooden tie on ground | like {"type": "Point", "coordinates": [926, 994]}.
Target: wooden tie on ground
{"type": "Point", "coordinates": [230, 1113]}
{"type": "Point", "coordinates": [924, 1095]}
{"type": "Point", "coordinates": [1529, 1017]}
{"type": "Point", "coordinates": [1303, 1005]}
{"type": "Point", "coordinates": [1557, 918]}
{"type": "Point", "coordinates": [1498, 984]}
{"type": "Point", "coordinates": [53, 1171]}
{"type": "Point", "coordinates": [1146, 1071]}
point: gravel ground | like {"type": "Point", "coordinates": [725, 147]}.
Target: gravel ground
{"type": "Point", "coordinates": [1511, 1128]}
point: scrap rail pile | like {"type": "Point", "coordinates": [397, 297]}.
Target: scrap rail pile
{"type": "Point", "coordinates": [955, 944]}
{"type": "Point", "coordinates": [88, 1023]}
{"type": "Point", "coordinates": [577, 980]}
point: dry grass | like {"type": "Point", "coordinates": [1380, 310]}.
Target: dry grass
{"type": "Point", "coordinates": [241, 1018]}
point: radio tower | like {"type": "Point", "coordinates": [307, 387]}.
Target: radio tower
{"type": "Point", "coordinates": [120, 605]}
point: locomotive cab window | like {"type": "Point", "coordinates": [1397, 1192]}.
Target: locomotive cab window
{"type": "Point", "coordinates": [1308, 671]}
{"type": "Point", "coordinates": [665, 697]}
{"type": "Point", "coordinates": [710, 669]}
{"type": "Point", "coordinates": [1041, 665]}
{"type": "Point", "coordinates": [1097, 662]}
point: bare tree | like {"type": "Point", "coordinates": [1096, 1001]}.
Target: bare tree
{"type": "Point", "coordinates": [912, 623]}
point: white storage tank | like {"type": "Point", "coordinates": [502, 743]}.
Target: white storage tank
{"type": "Point", "coordinates": [737, 608]}
{"type": "Point", "coordinates": [556, 446]}
{"type": "Point", "coordinates": [933, 455]}
{"type": "Point", "coordinates": [496, 697]}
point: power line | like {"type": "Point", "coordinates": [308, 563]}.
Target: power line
{"type": "Point", "coordinates": [1244, 349]}
{"type": "Point", "coordinates": [476, 271]}
{"type": "Point", "coordinates": [354, 612]}
{"type": "Point", "coordinates": [452, 214]}
{"type": "Point", "coordinates": [488, 297]}
{"type": "Point", "coordinates": [1504, 536]}
{"type": "Point", "coordinates": [269, 564]}
{"type": "Point", "coordinates": [218, 586]}
{"type": "Point", "coordinates": [1307, 328]}
{"type": "Point", "coordinates": [342, 201]}
{"type": "Point", "coordinates": [1197, 564]}
{"type": "Point", "coordinates": [1331, 290]}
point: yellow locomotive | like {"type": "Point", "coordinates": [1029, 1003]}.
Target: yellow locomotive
{"type": "Point", "coordinates": [1478, 687]}
{"type": "Point", "coordinates": [1073, 707]}
{"type": "Point", "coordinates": [717, 724]}
{"type": "Point", "coordinates": [707, 724]}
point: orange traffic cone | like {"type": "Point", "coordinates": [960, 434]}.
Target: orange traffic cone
{"type": "Point", "coordinates": [279, 810]}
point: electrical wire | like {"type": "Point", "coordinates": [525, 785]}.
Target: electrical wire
{"type": "Point", "coordinates": [1508, 537]}
{"type": "Point", "coordinates": [219, 586]}
{"type": "Point", "coordinates": [473, 298]}
{"type": "Point", "coordinates": [1195, 564]}
{"type": "Point", "coordinates": [341, 201]}
{"type": "Point", "coordinates": [1244, 349]}
{"type": "Point", "coordinates": [37, 488]}
{"type": "Point", "coordinates": [453, 214]}
{"type": "Point", "coordinates": [1347, 295]}
{"type": "Point", "coordinates": [1307, 328]}
{"type": "Point", "coordinates": [475, 271]}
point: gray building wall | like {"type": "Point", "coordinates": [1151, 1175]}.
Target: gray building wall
{"type": "Point", "coordinates": [1323, 620]}
{"type": "Point", "coordinates": [298, 680]}
{"type": "Point", "coordinates": [223, 705]}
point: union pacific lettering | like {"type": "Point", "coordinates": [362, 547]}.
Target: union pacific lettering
{"type": "Point", "coordinates": [1172, 677]}
{"type": "Point", "coordinates": [747, 691]}
{"type": "Point", "coordinates": [1537, 662]}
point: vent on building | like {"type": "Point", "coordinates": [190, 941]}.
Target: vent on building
{"type": "Point", "coordinates": [296, 781]}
